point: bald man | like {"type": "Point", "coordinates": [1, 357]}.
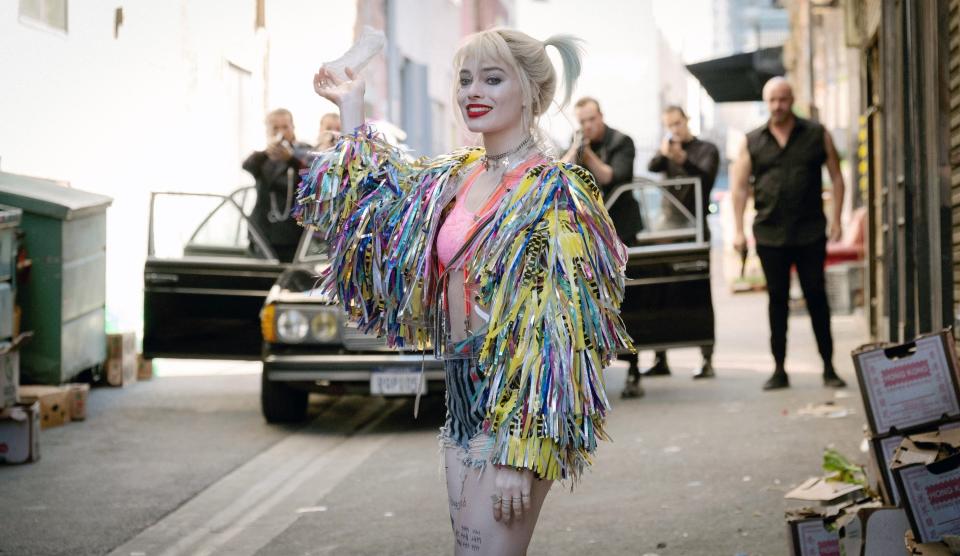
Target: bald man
{"type": "Point", "coordinates": [783, 160]}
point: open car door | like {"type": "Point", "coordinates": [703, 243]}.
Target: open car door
{"type": "Point", "coordinates": [667, 302]}
{"type": "Point", "coordinates": [207, 274]}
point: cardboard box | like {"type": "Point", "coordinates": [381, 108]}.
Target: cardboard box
{"type": "Point", "coordinates": [809, 534]}
{"type": "Point", "coordinates": [927, 549]}
{"type": "Point", "coordinates": [77, 393]}
{"type": "Point", "coordinates": [825, 492]}
{"type": "Point", "coordinates": [874, 530]}
{"type": "Point", "coordinates": [121, 372]}
{"type": "Point", "coordinates": [9, 375]}
{"type": "Point", "coordinates": [926, 468]}
{"type": "Point", "coordinates": [121, 345]}
{"type": "Point", "coordinates": [121, 367]}
{"type": "Point", "coordinates": [909, 386]}
{"type": "Point", "coordinates": [54, 404]}
{"type": "Point", "coordinates": [882, 451]}
{"type": "Point", "coordinates": [6, 310]}
{"type": "Point", "coordinates": [144, 368]}
{"type": "Point", "coordinates": [20, 433]}
{"type": "Point", "coordinates": [10, 370]}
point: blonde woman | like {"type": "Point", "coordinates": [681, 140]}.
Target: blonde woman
{"type": "Point", "coordinates": [500, 258]}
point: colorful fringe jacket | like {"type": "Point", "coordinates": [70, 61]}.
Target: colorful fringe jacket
{"type": "Point", "coordinates": [547, 264]}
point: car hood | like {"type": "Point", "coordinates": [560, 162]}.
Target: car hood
{"type": "Point", "coordinates": [299, 283]}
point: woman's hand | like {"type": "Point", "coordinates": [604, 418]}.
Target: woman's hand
{"type": "Point", "coordinates": [511, 498]}
{"type": "Point", "coordinates": [331, 87]}
{"type": "Point", "coordinates": [346, 94]}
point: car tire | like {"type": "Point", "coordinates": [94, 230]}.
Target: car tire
{"type": "Point", "coordinates": [282, 403]}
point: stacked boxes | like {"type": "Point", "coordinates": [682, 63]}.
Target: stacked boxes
{"type": "Point", "coordinates": [144, 368]}
{"type": "Point", "coordinates": [19, 423]}
{"type": "Point", "coordinates": [9, 220]}
{"type": "Point", "coordinates": [911, 393]}
{"type": "Point", "coordinates": [121, 359]}
{"type": "Point", "coordinates": [927, 471]}
{"type": "Point", "coordinates": [54, 404]}
{"type": "Point", "coordinates": [811, 534]}
{"type": "Point", "coordinates": [9, 345]}
{"type": "Point", "coordinates": [20, 433]}
{"type": "Point", "coordinates": [10, 369]}
{"type": "Point", "coordinates": [873, 530]}
{"type": "Point", "coordinates": [9, 375]}
{"type": "Point", "coordinates": [813, 530]}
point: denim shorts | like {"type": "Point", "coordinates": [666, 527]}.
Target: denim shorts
{"type": "Point", "coordinates": [466, 402]}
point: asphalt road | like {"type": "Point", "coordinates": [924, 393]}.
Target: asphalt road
{"type": "Point", "coordinates": [186, 465]}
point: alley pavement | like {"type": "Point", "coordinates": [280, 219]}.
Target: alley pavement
{"type": "Point", "coordinates": [184, 464]}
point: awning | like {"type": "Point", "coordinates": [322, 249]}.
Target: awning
{"type": "Point", "coordinates": [739, 77]}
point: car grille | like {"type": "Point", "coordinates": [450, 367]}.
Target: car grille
{"type": "Point", "coordinates": [355, 340]}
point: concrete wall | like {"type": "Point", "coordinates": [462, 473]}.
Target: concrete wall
{"type": "Point", "coordinates": [431, 42]}
{"type": "Point", "coordinates": [174, 101]}
{"type": "Point", "coordinates": [303, 34]}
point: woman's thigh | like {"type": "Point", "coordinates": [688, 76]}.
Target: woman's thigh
{"type": "Point", "coordinates": [471, 494]}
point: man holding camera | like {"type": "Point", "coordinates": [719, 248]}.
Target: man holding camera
{"type": "Point", "coordinates": [276, 170]}
{"type": "Point", "coordinates": [608, 154]}
{"type": "Point", "coordinates": [682, 155]}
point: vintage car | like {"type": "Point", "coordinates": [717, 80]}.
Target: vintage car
{"type": "Point", "coordinates": [668, 269]}
{"type": "Point", "coordinates": [213, 288]}
{"type": "Point", "coordinates": [307, 346]}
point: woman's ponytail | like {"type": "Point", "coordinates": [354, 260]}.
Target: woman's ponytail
{"type": "Point", "coordinates": [570, 49]}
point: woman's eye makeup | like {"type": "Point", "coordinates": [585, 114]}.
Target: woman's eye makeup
{"type": "Point", "coordinates": [494, 80]}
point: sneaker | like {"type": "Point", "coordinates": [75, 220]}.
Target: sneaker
{"type": "Point", "coordinates": [777, 381]}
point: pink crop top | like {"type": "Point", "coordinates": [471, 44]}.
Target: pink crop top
{"type": "Point", "coordinates": [457, 225]}
{"type": "Point", "coordinates": [455, 228]}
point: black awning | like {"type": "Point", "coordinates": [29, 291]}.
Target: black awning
{"type": "Point", "coordinates": [739, 77]}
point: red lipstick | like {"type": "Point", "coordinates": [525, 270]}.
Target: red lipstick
{"type": "Point", "coordinates": [477, 110]}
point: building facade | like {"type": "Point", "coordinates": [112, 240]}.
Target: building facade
{"type": "Point", "coordinates": [907, 152]}
{"type": "Point", "coordinates": [171, 96]}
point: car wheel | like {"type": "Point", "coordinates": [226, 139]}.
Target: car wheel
{"type": "Point", "coordinates": [282, 403]}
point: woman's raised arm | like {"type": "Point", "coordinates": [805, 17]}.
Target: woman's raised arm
{"type": "Point", "coordinates": [347, 94]}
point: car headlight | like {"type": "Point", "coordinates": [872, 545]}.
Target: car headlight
{"type": "Point", "coordinates": [292, 326]}
{"type": "Point", "coordinates": [324, 326]}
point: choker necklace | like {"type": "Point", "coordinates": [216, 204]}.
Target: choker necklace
{"type": "Point", "coordinates": [489, 160]}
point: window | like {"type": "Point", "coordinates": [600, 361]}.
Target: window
{"type": "Point", "coordinates": [51, 13]}
{"type": "Point", "coordinates": [670, 212]}
{"type": "Point", "coordinates": [190, 225]}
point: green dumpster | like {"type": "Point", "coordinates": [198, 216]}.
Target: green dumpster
{"type": "Point", "coordinates": [63, 301]}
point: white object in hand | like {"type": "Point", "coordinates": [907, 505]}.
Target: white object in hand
{"type": "Point", "coordinates": [370, 43]}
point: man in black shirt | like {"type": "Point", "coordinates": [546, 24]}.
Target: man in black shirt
{"type": "Point", "coordinates": [609, 154]}
{"type": "Point", "coordinates": [277, 173]}
{"type": "Point", "coordinates": [783, 158]}
{"type": "Point", "coordinates": [683, 155]}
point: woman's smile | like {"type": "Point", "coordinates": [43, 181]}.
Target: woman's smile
{"type": "Point", "coordinates": [477, 110]}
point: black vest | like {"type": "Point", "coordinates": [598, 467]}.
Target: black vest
{"type": "Point", "coordinates": [788, 185]}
